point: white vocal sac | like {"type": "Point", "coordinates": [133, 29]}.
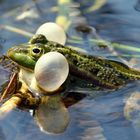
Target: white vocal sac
{"type": "Point", "coordinates": [53, 32]}
{"type": "Point", "coordinates": [51, 71]}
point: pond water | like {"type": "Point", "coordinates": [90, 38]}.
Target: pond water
{"type": "Point", "coordinates": [93, 118]}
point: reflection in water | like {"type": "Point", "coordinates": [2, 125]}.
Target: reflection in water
{"type": "Point", "coordinates": [94, 119]}
{"type": "Point", "coordinates": [137, 6]}
{"type": "Point", "coordinates": [132, 111]}
{"type": "Point", "coordinates": [2, 135]}
{"type": "Point", "coordinates": [52, 116]}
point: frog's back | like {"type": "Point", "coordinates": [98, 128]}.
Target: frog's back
{"type": "Point", "coordinates": [101, 72]}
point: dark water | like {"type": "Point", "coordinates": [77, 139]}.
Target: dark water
{"type": "Point", "coordinates": [93, 118]}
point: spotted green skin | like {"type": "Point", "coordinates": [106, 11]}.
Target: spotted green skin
{"type": "Point", "coordinates": [98, 71]}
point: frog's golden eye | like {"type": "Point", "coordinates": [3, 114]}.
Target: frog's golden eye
{"type": "Point", "coordinates": [36, 52]}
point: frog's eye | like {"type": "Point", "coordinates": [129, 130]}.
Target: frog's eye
{"type": "Point", "coordinates": [36, 52]}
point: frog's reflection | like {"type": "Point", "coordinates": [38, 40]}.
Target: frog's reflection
{"type": "Point", "coordinates": [52, 114]}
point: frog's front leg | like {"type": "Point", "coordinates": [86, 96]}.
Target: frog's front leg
{"type": "Point", "coordinates": [21, 98]}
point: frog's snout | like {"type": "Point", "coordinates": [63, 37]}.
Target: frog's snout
{"type": "Point", "coordinates": [12, 53]}
{"type": "Point", "coordinates": [15, 50]}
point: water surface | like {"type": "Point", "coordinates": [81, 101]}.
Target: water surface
{"type": "Point", "coordinates": [93, 118]}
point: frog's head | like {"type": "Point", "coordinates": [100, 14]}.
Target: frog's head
{"type": "Point", "coordinates": [26, 55]}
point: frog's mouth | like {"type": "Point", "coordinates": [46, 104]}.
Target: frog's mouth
{"type": "Point", "coordinates": [19, 56]}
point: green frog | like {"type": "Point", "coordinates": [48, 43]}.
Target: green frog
{"type": "Point", "coordinates": [100, 72]}
{"type": "Point", "coordinates": [84, 71]}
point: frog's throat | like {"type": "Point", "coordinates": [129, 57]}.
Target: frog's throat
{"type": "Point", "coordinates": [25, 68]}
